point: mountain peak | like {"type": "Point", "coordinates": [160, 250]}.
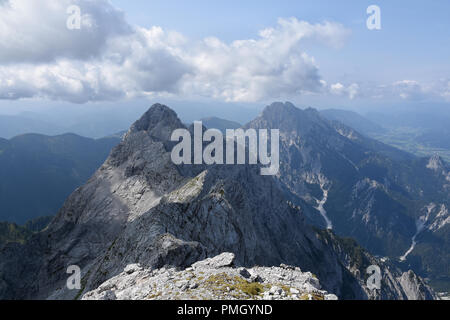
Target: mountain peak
{"type": "Point", "coordinates": [287, 110]}
{"type": "Point", "coordinates": [288, 118]}
{"type": "Point", "coordinates": [159, 121]}
{"type": "Point", "coordinates": [280, 107]}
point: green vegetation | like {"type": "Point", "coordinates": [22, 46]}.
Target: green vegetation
{"type": "Point", "coordinates": [38, 224]}
{"type": "Point", "coordinates": [356, 253]}
{"type": "Point", "coordinates": [237, 286]}
{"type": "Point", "coordinates": [13, 233]}
{"type": "Point", "coordinates": [153, 296]}
{"type": "Point", "coordinates": [83, 286]}
{"type": "Point", "coordinates": [314, 296]}
{"type": "Point", "coordinates": [347, 246]}
{"type": "Point", "coordinates": [10, 232]}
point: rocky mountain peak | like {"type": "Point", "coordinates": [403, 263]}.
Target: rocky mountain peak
{"type": "Point", "coordinates": [280, 107]}
{"type": "Point", "coordinates": [279, 112]}
{"type": "Point", "coordinates": [159, 122]}
{"type": "Point", "coordinates": [290, 120]}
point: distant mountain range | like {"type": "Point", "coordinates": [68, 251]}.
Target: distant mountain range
{"type": "Point", "coordinates": [92, 124]}
{"type": "Point", "coordinates": [140, 208]}
{"type": "Point", "coordinates": [13, 125]}
{"type": "Point", "coordinates": [104, 119]}
{"type": "Point", "coordinates": [353, 120]}
{"type": "Point", "coordinates": [220, 124]}
{"type": "Point", "coordinates": [423, 133]}
{"type": "Point", "coordinates": [37, 172]}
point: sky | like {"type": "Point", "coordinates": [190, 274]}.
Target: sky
{"type": "Point", "coordinates": [236, 53]}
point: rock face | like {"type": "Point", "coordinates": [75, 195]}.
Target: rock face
{"type": "Point", "coordinates": [213, 278]}
{"type": "Point", "coordinates": [140, 212]}
{"type": "Point", "coordinates": [414, 287]}
{"type": "Point", "coordinates": [394, 283]}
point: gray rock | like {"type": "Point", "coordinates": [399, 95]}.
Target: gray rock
{"type": "Point", "coordinates": [294, 291]}
{"type": "Point", "coordinates": [275, 290]}
{"type": "Point", "coordinates": [244, 273]}
{"type": "Point", "coordinates": [414, 287]}
{"type": "Point", "coordinates": [331, 297]}
{"type": "Point", "coordinates": [207, 282]}
{"type": "Point", "coordinates": [131, 268]}
{"type": "Point", "coordinates": [107, 295]}
{"type": "Point", "coordinates": [223, 260]}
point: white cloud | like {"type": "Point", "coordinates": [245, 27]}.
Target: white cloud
{"type": "Point", "coordinates": [443, 88]}
{"type": "Point", "coordinates": [405, 90]}
{"type": "Point", "coordinates": [133, 65]}
{"type": "Point", "coordinates": [36, 31]}
{"type": "Point", "coordinates": [339, 89]}
{"type": "Point", "coordinates": [108, 59]}
{"type": "Point", "coordinates": [353, 90]}
{"type": "Point", "coordinates": [408, 90]}
{"type": "Point", "coordinates": [270, 66]}
{"type": "Point", "coordinates": [413, 90]}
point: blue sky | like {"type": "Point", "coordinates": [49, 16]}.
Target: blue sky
{"type": "Point", "coordinates": [317, 53]}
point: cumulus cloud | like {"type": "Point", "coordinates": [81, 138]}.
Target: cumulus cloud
{"type": "Point", "coordinates": [133, 65]}
{"type": "Point", "coordinates": [410, 90]}
{"type": "Point", "coordinates": [36, 31]}
{"type": "Point", "coordinates": [339, 89]}
{"type": "Point", "coordinates": [402, 90]}
{"type": "Point", "coordinates": [272, 65]}
{"type": "Point", "coordinates": [108, 59]}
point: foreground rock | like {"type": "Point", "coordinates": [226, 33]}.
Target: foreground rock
{"type": "Point", "coordinates": [213, 278]}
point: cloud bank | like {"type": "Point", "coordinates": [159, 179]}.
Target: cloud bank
{"type": "Point", "coordinates": [403, 90]}
{"type": "Point", "coordinates": [108, 59]}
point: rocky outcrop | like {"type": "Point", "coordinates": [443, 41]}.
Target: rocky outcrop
{"type": "Point", "coordinates": [211, 279]}
{"type": "Point", "coordinates": [414, 287]}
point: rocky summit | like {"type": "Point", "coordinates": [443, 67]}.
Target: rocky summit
{"type": "Point", "coordinates": [141, 221]}
{"type": "Point", "coordinates": [212, 279]}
